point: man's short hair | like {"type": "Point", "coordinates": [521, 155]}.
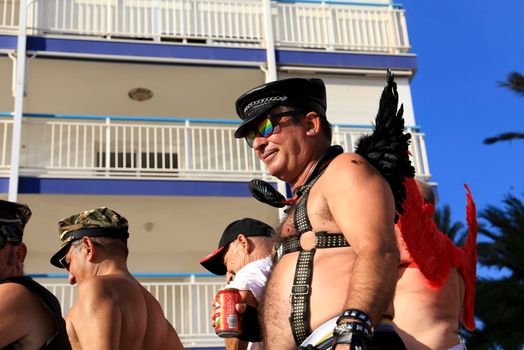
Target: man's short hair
{"type": "Point", "coordinates": [426, 191]}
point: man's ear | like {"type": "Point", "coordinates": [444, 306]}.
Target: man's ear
{"type": "Point", "coordinates": [90, 248]}
{"type": "Point", "coordinates": [21, 253]}
{"type": "Point", "coordinates": [245, 243]}
{"type": "Point", "coordinates": [312, 123]}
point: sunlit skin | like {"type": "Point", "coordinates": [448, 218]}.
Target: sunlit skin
{"type": "Point", "coordinates": [25, 323]}
{"type": "Point", "coordinates": [435, 322]}
{"type": "Point", "coordinates": [10, 261]}
{"type": "Point", "coordinates": [351, 197]}
{"type": "Point", "coordinates": [112, 309]}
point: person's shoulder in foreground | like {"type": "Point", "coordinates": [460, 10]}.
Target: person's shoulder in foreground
{"type": "Point", "coordinates": [31, 315]}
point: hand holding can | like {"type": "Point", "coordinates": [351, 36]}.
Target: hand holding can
{"type": "Point", "coordinates": [227, 319]}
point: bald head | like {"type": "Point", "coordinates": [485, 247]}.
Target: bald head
{"type": "Point", "coordinates": [426, 191]}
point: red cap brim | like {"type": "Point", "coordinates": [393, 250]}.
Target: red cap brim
{"type": "Point", "coordinates": [214, 262]}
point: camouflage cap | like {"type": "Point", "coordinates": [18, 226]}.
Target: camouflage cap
{"type": "Point", "coordinates": [13, 218]}
{"type": "Point", "coordinates": [99, 222]}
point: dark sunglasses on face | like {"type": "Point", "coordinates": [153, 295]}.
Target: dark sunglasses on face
{"type": "Point", "coordinates": [64, 262]}
{"type": "Point", "coordinates": [4, 237]}
{"type": "Point", "coordinates": [265, 127]}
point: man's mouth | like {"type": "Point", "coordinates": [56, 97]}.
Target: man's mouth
{"type": "Point", "coordinates": [268, 155]}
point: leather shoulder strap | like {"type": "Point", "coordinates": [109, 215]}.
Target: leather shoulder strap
{"type": "Point", "coordinates": [301, 219]}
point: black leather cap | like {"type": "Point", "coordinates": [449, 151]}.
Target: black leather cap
{"type": "Point", "coordinates": [13, 218]}
{"type": "Point", "coordinates": [305, 94]}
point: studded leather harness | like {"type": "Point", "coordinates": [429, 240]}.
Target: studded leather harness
{"type": "Point", "coordinates": [300, 291]}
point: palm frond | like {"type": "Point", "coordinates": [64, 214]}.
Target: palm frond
{"type": "Point", "coordinates": [506, 136]}
{"type": "Point", "coordinates": [514, 82]}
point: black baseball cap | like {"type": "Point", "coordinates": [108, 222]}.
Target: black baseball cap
{"type": "Point", "coordinates": [214, 262]}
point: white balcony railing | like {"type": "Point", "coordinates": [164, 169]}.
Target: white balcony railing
{"type": "Point", "coordinates": [322, 25]}
{"type": "Point", "coordinates": [9, 15]}
{"type": "Point", "coordinates": [6, 130]}
{"type": "Point", "coordinates": [152, 148]}
{"type": "Point", "coordinates": [186, 305]}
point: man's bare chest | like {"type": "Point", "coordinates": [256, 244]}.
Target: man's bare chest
{"type": "Point", "coordinates": [315, 211]}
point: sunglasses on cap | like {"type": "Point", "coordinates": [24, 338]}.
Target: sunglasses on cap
{"type": "Point", "coordinates": [265, 127]}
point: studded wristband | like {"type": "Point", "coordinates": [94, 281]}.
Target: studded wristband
{"type": "Point", "coordinates": [353, 327]}
{"type": "Point", "coordinates": [356, 314]}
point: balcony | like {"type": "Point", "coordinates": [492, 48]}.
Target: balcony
{"type": "Point", "coordinates": [62, 146]}
{"type": "Point", "coordinates": [372, 26]}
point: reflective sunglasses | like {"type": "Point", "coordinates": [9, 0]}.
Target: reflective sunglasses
{"type": "Point", "coordinates": [64, 262]}
{"type": "Point", "coordinates": [265, 127]}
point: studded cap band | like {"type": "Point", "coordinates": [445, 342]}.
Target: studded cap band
{"type": "Point", "coordinates": [263, 101]}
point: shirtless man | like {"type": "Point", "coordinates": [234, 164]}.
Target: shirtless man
{"type": "Point", "coordinates": [244, 256]}
{"type": "Point", "coordinates": [31, 317]}
{"type": "Point", "coordinates": [112, 310]}
{"type": "Point", "coordinates": [285, 123]}
{"type": "Point", "coordinates": [428, 314]}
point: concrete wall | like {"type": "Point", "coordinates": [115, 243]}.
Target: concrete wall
{"type": "Point", "coordinates": [167, 234]}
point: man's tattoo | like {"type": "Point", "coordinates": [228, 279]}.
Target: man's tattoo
{"type": "Point", "coordinates": [357, 162]}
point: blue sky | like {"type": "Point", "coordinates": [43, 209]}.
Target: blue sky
{"type": "Point", "coordinates": [464, 48]}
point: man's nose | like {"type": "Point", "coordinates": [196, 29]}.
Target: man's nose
{"type": "Point", "coordinates": [259, 143]}
{"type": "Point", "coordinates": [229, 277]}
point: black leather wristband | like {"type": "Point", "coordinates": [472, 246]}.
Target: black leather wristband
{"type": "Point", "coordinates": [363, 325]}
{"type": "Point", "coordinates": [355, 340]}
{"type": "Point", "coordinates": [250, 325]}
{"type": "Point", "coordinates": [356, 314]}
{"type": "Point", "coordinates": [353, 327]}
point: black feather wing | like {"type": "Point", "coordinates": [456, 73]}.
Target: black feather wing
{"type": "Point", "coordinates": [387, 147]}
{"type": "Point", "coordinates": [266, 193]}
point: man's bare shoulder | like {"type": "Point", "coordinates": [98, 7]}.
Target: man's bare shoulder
{"type": "Point", "coordinates": [352, 167]}
{"type": "Point", "coordinates": [106, 287]}
{"type": "Point", "coordinates": [14, 296]}
{"type": "Point", "coordinates": [23, 318]}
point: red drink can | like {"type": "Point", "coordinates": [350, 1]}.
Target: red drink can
{"type": "Point", "coordinates": [227, 322]}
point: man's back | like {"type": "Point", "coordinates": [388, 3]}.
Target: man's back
{"type": "Point", "coordinates": [25, 322]}
{"type": "Point", "coordinates": [116, 312]}
{"type": "Point", "coordinates": [426, 317]}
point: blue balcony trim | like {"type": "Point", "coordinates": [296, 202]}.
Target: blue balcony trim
{"type": "Point", "coordinates": [133, 187]}
{"type": "Point", "coordinates": [137, 49]}
{"type": "Point", "coordinates": [138, 275]}
{"type": "Point", "coordinates": [159, 119]}
{"type": "Point", "coordinates": [4, 185]}
{"type": "Point", "coordinates": [201, 54]}
{"type": "Point", "coordinates": [125, 118]}
{"type": "Point", "coordinates": [336, 2]}
{"type": "Point", "coordinates": [8, 42]}
{"type": "Point", "coordinates": [344, 60]}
